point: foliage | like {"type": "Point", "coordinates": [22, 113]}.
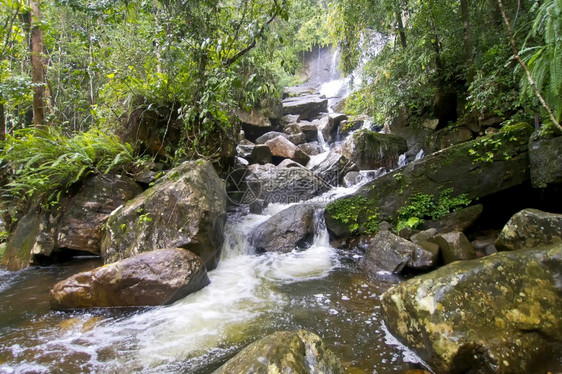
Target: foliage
{"type": "Point", "coordinates": [424, 206]}
{"type": "Point", "coordinates": [45, 163]}
{"type": "Point", "coordinates": [358, 213]}
{"type": "Point", "coordinates": [542, 55]}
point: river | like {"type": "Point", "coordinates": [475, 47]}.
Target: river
{"type": "Point", "coordinates": [249, 297]}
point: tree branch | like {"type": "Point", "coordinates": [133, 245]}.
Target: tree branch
{"type": "Point", "coordinates": [250, 46]}
{"type": "Point", "coordinates": [525, 67]}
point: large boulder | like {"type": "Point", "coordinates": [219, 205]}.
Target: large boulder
{"type": "Point", "coordinates": [545, 154]}
{"type": "Point", "coordinates": [461, 220]}
{"type": "Point", "coordinates": [447, 137]}
{"type": "Point", "coordinates": [285, 184]}
{"type": "Point", "coordinates": [498, 314]}
{"type": "Point", "coordinates": [530, 228]}
{"type": "Point", "coordinates": [307, 107]}
{"type": "Point", "coordinates": [77, 224]}
{"type": "Point", "coordinates": [282, 148]}
{"type": "Point", "coordinates": [300, 352]}
{"type": "Point", "coordinates": [255, 154]}
{"type": "Point", "coordinates": [185, 209]}
{"type": "Point", "coordinates": [152, 278]}
{"type": "Point", "coordinates": [333, 168]}
{"type": "Point", "coordinates": [254, 124]}
{"type": "Point", "coordinates": [289, 229]}
{"type": "Point", "coordinates": [369, 150]}
{"type": "Point", "coordinates": [474, 168]}
{"type": "Point", "coordinates": [389, 252]}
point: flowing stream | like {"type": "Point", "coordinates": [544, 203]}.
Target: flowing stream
{"type": "Point", "coordinates": [249, 297]}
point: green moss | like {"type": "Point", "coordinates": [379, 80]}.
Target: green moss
{"type": "Point", "coordinates": [359, 214]}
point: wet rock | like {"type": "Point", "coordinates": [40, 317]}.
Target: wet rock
{"type": "Point", "coordinates": [289, 118]}
{"type": "Point", "coordinates": [254, 124]}
{"type": "Point", "coordinates": [346, 127]}
{"type": "Point", "coordinates": [77, 224]}
{"type": "Point", "coordinates": [498, 314]}
{"type": "Point", "coordinates": [455, 246]}
{"type": "Point", "coordinates": [333, 169]}
{"type": "Point", "coordinates": [457, 168]}
{"type": "Point", "coordinates": [286, 184]}
{"type": "Point", "coordinates": [330, 125]}
{"type": "Point", "coordinates": [307, 107]}
{"type": "Point", "coordinates": [300, 352]}
{"type": "Point", "coordinates": [369, 150]}
{"type": "Point", "coordinates": [152, 278]}
{"type": "Point", "coordinates": [461, 220]}
{"type": "Point", "coordinates": [389, 252]}
{"type": "Point", "coordinates": [311, 149]}
{"type": "Point", "coordinates": [287, 230]}
{"type": "Point", "coordinates": [310, 131]}
{"type": "Point", "coordinates": [530, 228]}
{"type": "Point", "coordinates": [185, 209]}
{"type": "Point", "coordinates": [545, 154]}
{"type": "Point", "coordinates": [280, 147]}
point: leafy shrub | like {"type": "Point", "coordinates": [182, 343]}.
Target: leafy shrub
{"type": "Point", "coordinates": [424, 206]}
{"type": "Point", "coordinates": [44, 163]}
{"type": "Point", "coordinates": [357, 212]}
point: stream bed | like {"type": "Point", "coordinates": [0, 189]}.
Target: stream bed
{"type": "Point", "coordinates": [250, 296]}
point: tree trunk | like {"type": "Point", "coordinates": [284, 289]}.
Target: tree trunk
{"type": "Point", "coordinates": [40, 92]}
{"type": "Point", "coordinates": [468, 45]}
{"type": "Point", "coordinates": [401, 29]}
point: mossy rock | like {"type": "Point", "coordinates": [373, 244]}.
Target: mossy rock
{"type": "Point", "coordinates": [477, 168]}
{"type": "Point", "coordinates": [498, 314]}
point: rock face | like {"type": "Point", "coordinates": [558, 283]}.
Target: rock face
{"type": "Point", "coordinates": [370, 150]}
{"type": "Point", "coordinates": [151, 278]}
{"type": "Point", "coordinates": [388, 252]}
{"type": "Point", "coordinates": [300, 352]}
{"type": "Point", "coordinates": [498, 314]}
{"type": "Point", "coordinates": [461, 220]}
{"type": "Point", "coordinates": [545, 154]}
{"type": "Point", "coordinates": [77, 225]}
{"type": "Point", "coordinates": [307, 107]}
{"type": "Point", "coordinates": [447, 137]}
{"type": "Point", "coordinates": [289, 229]}
{"type": "Point", "coordinates": [286, 184]}
{"type": "Point", "coordinates": [463, 167]}
{"type": "Point", "coordinates": [530, 228]}
{"type": "Point", "coordinates": [186, 209]}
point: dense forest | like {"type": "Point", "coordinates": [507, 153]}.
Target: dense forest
{"type": "Point", "coordinates": [73, 72]}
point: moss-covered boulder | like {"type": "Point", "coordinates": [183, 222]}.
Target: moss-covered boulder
{"type": "Point", "coordinates": [369, 150]}
{"type": "Point", "coordinates": [186, 209]}
{"type": "Point", "coordinates": [498, 314]}
{"type": "Point", "coordinates": [76, 224]}
{"type": "Point", "coordinates": [151, 278]}
{"type": "Point", "coordinates": [477, 168]}
{"type": "Point", "coordinates": [300, 352]}
{"type": "Point", "coordinates": [530, 228]}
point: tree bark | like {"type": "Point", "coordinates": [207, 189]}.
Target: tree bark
{"type": "Point", "coordinates": [2, 120]}
{"type": "Point", "coordinates": [40, 92]}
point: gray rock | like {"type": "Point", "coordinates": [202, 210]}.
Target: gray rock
{"type": "Point", "coordinates": [530, 228]}
{"type": "Point", "coordinates": [151, 278]}
{"type": "Point", "coordinates": [280, 147]}
{"type": "Point", "coordinates": [498, 314]}
{"type": "Point", "coordinates": [333, 169]}
{"type": "Point", "coordinates": [287, 230]}
{"type": "Point", "coordinates": [369, 150]}
{"type": "Point", "coordinates": [389, 252]}
{"type": "Point", "coordinates": [254, 124]}
{"type": "Point", "coordinates": [255, 154]}
{"type": "Point", "coordinates": [455, 246]}
{"type": "Point", "coordinates": [186, 209]}
{"type": "Point", "coordinates": [311, 149]}
{"type": "Point", "coordinates": [300, 352]}
{"type": "Point", "coordinates": [461, 220]}
{"type": "Point", "coordinates": [307, 107]}
{"type": "Point", "coordinates": [447, 137]}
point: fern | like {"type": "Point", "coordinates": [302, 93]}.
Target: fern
{"type": "Point", "coordinates": [45, 163]}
